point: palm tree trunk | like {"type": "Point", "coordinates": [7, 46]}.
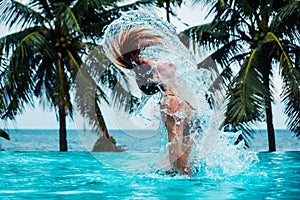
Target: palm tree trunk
{"type": "Point", "coordinates": [101, 120]}
{"type": "Point", "coordinates": [269, 115]}
{"type": "Point", "coordinates": [168, 9]}
{"type": "Point", "coordinates": [62, 130]}
{"type": "Point", "coordinates": [270, 127]}
{"type": "Point", "coordinates": [106, 134]}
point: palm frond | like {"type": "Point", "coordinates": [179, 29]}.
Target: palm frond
{"type": "Point", "coordinates": [37, 42]}
{"type": "Point", "coordinates": [208, 35]}
{"type": "Point", "coordinates": [101, 82]}
{"type": "Point", "coordinates": [45, 69]}
{"type": "Point", "coordinates": [215, 4]}
{"type": "Point", "coordinates": [247, 130]}
{"type": "Point", "coordinates": [11, 42]}
{"type": "Point", "coordinates": [101, 15]}
{"type": "Point", "coordinates": [121, 94]}
{"type": "Point", "coordinates": [69, 22]}
{"type": "Point", "coordinates": [248, 93]}
{"type": "Point", "coordinates": [74, 64]}
{"type": "Point", "coordinates": [217, 89]}
{"type": "Point", "coordinates": [288, 10]}
{"type": "Point", "coordinates": [111, 77]}
{"type": "Point", "coordinates": [86, 100]}
{"type": "Point", "coordinates": [15, 13]}
{"type": "Point", "coordinates": [207, 1]}
{"type": "Point", "coordinates": [291, 97]}
{"type": "Point", "coordinates": [291, 87]}
{"type": "Point", "coordinates": [136, 5]}
{"type": "Point", "coordinates": [229, 53]}
{"type": "Point", "coordinates": [43, 6]}
{"type": "Point", "coordinates": [83, 6]}
{"type": "Point", "coordinates": [287, 20]}
{"type": "Point", "coordinates": [20, 72]}
{"type": "Point", "coordinates": [2, 58]}
{"type": "Point", "coordinates": [97, 14]}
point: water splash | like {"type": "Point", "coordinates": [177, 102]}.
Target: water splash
{"type": "Point", "coordinates": [213, 151]}
{"type": "Point", "coordinates": [225, 159]}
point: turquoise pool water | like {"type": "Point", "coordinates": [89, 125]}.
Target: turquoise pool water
{"type": "Point", "coordinates": [31, 168]}
{"type": "Point", "coordinates": [78, 175]}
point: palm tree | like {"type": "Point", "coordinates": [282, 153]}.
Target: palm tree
{"type": "Point", "coordinates": [3, 133]}
{"type": "Point", "coordinates": [167, 5]}
{"type": "Point", "coordinates": [46, 53]}
{"type": "Point", "coordinates": [257, 36]}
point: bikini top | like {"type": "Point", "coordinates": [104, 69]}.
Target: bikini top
{"type": "Point", "coordinates": [150, 88]}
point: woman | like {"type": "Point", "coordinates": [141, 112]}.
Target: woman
{"type": "Point", "coordinates": [154, 76]}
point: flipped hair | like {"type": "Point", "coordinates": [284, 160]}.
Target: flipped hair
{"type": "Point", "coordinates": [126, 47]}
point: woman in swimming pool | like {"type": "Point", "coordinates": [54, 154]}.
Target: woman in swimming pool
{"type": "Point", "coordinates": [154, 76]}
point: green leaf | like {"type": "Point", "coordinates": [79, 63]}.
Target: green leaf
{"type": "Point", "coordinates": [38, 42]}
{"type": "Point", "coordinates": [69, 22]}
{"type": "Point", "coordinates": [15, 13]}
{"type": "Point", "coordinates": [248, 93]}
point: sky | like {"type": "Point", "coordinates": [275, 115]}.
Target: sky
{"type": "Point", "coordinates": [45, 118]}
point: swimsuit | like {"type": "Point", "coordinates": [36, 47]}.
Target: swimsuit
{"type": "Point", "coordinates": [150, 88]}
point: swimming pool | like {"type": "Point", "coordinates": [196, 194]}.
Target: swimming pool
{"type": "Point", "coordinates": [127, 175]}
{"type": "Point", "coordinates": [31, 168]}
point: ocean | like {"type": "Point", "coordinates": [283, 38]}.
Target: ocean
{"type": "Point", "coordinates": [131, 140]}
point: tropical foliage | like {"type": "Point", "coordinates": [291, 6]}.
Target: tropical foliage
{"type": "Point", "coordinates": [54, 53]}
{"type": "Point", "coordinates": [45, 55]}
{"type": "Point", "coordinates": [167, 4]}
{"type": "Point", "coordinates": [257, 36]}
{"type": "Point", "coordinates": [3, 133]}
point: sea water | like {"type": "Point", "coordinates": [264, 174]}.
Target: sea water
{"type": "Point", "coordinates": [31, 168]}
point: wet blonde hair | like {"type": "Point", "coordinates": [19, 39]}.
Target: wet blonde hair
{"type": "Point", "coordinates": [126, 47]}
